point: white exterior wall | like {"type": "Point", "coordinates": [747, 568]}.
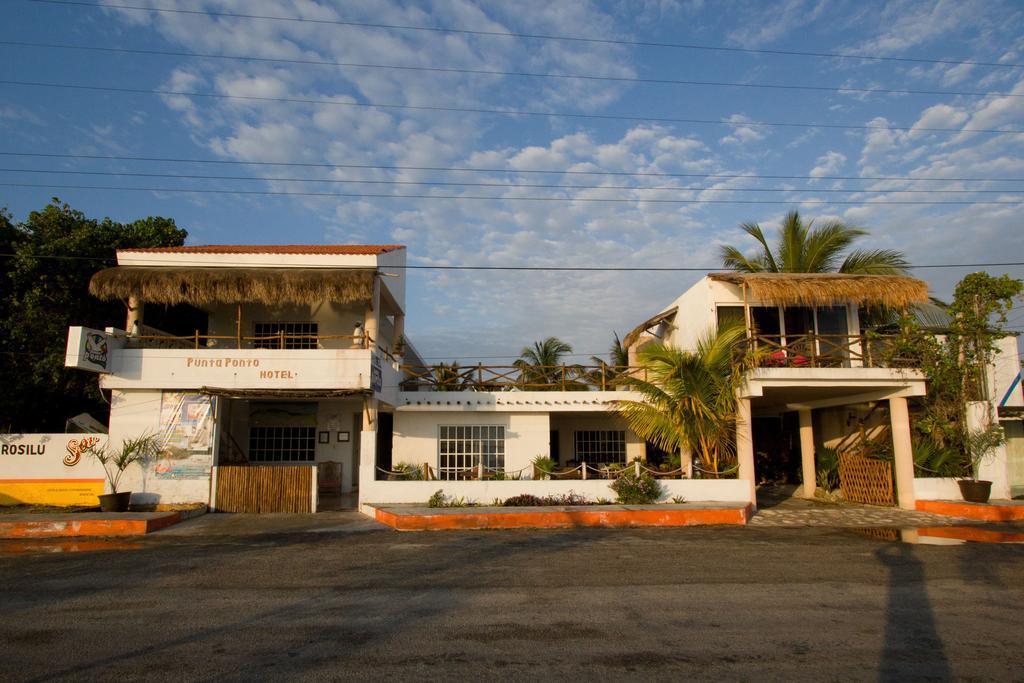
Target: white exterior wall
{"type": "Point", "coordinates": [486, 492]}
{"type": "Point", "coordinates": [416, 436]}
{"type": "Point", "coordinates": [133, 413]}
{"type": "Point", "coordinates": [334, 417]}
{"type": "Point", "coordinates": [568, 423]}
{"type": "Point", "coordinates": [936, 488]}
{"type": "Point", "coordinates": [1003, 372]}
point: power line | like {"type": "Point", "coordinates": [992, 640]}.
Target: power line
{"type": "Point", "coordinates": [526, 74]}
{"type": "Point", "coordinates": [539, 36]}
{"type": "Point", "coordinates": [501, 112]}
{"type": "Point", "coordinates": [669, 269]}
{"type": "Point", "coordinates": [431, 183]}
{"type": "Point", "coordinates": [591, 200]}
{"type": "Point", "coordinates": [468, 169]}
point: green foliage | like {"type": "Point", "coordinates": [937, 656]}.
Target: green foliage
{"type": "Point", "coordinates": [689, 398]}
{"type": "Point", "coordinates": [642, 490]}
{"type": "Point", "coordinates": [563, 499]}
{"type": "Point", "coordinates": [141, 449]}
{"type": "Point", "coordinates": [803, 248]}
{"type": "Point", "coordinates": [932, 460]}
{"type": "Point", "coordinates": [540, 366]}
{"type": "Point", "coordinates": [678, 500]}
{"type": "Point", "coordinates": [982, 442]}
{"type": "Point", "coordinates": [956, 365]}
{"type": "Point", "coordinates": [827, 473]}
{"type": "Point", "coordinates": [41, 297]}
{"type": "Point", "coordinates": [408, 472]}
{"type": "Point", "coordinates": [542, 464]}
{"type": "Point", "coordinates": [440, 500]}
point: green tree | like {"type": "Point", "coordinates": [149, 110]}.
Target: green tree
{"type": "Point", "coordinates": [956, 363]}
{"type": "Point", "coordinates": [45, 292]}
{"type": "Point", "coordinates": [689, 398]}
{"type": "Point", "coordinates": [540, 364]}
{"type": "Point", "coordinates": [614, 367]}
{"type": "Point", "coordinates": [803, 248]}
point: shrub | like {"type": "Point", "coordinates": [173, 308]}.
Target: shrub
{"type": "Point", "coordinates": [438, 500]}
{"type": "Point", "coordinates": [522, 500]}
{"type": "Point", "coordinates": [828, 469]}
{"type": "Point", "coordinates": [408, 472]}
{"type": "Point", "coordinates": [630, 488]}
{"type": "Point", "coordinates": [543, 465]}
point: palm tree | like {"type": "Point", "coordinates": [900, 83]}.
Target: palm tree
{"type": "Point", "coordinates": [540, 364]}
{"type": "Point", "coordinates": [803, 248]}
{"type": "Point", "coordinates": [618, 355]}
{"type": "Point", "coordinates": [689, 398]}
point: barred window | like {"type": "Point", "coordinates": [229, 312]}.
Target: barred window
{"type": "Point", "coordinates": [600, 446]}
{"type": "Point", "coordinates": [285, 335]}
{"type": "Point", "coordinates": [282, 444]}
{"type": "Point", "coordinates": [462, 447]}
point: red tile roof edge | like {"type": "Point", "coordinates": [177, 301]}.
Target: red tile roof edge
{"type": "Point", "coordinates": [313, 249]}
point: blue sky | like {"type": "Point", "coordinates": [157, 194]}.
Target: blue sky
{"type": "Point", "coordinates": [491, 314]}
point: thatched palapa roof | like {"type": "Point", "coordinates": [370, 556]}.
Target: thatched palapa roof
{"type": "Point", "coordinates": [634, 335]}
{"type": "Point", "coordinates": [203, 286]}
{"type": "Point", "coordinates": [826, 289]}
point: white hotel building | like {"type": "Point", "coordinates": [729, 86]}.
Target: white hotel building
{"type": "Point", "coordinates": [298, 388]}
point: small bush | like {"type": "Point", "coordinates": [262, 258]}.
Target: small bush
{"type": "Point", "coordinates": [643, 490]}
{"type": "Point", "coordinates": [438, 500]}
{"type": "Point", "coordinates": [408, 472]}
{"type": "Point", "coordinates": [522, 500]}
{"type": "Point", "coordinates": [678, 500]}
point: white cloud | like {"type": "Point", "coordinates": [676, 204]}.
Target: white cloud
{"type": "Point", "coordinates": [828, 164]}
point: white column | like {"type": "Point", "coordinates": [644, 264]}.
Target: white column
{"type": "Point", "coordinates": [745, 447]}
{"type": "Point", "coordinates": [807, 453]}
{"type": "Point", "coordinates": [903, 454]}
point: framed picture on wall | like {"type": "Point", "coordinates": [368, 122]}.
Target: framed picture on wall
{"type": "Point", "coordinates": [343, 437]}
{"type": "Point", "coordinates": [323, 437]}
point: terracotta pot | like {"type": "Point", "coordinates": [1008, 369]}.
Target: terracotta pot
{"type": "Point", "coordinates": [974, 490]}
{"type": "Point", "coordinates": [115, 502]}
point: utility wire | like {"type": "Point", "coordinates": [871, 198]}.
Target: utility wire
{"type": "Point", "coordinates": [537, 36]}
{"type": "Point", "coordinates": [592, 200]}
{"type": "Point", "coordinates": [468, 169]}
{"type": "Point", "coordinates": [432, 183]}
{"type": "Point", "coordinates": [500, 112]}
{"type": "Point", "coordinates": [526, 74]}
{"type": "Point", "coordinates": [639, 269]}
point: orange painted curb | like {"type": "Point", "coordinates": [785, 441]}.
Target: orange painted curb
{"type": "Point", "coordinates": [44, 528]}
{"type": "Point", "coordinates": [969, 533]}
{"type": "Point", "coordinates": [986, 512]}
{"type": "Point", "coordinates": [560, 519]}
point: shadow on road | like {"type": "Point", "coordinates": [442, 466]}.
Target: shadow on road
{"type": "Point", "coordinates": [913, 647]}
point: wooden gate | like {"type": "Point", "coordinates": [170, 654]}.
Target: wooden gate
{"type": "Point", "coordinates": [866, 480]}
{"type": "Point", "coordinates": [265, 488]}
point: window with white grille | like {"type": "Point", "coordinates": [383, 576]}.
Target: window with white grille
{"type": "Point", "coordinates": [282, 444]}
{"type": "Point", "coordinates": [600, 446]}
{"type": "Point", "coordinates": [285, 335]}
{"type": "Point", "coordinates": [461, 448]}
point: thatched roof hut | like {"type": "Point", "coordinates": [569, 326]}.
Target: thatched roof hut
{"type": "Point", "coordinates": [827, 289]}
{"type": "Point", "coordinates": [202, 286]}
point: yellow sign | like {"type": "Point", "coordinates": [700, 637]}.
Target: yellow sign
{"type": "Point", "coordinates": [50, 491]}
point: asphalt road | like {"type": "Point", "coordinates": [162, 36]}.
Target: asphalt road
{"type": "Point", "coordinates": [355, 602]}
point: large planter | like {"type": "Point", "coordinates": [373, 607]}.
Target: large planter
{"type": "Point", "coordinates": [115, 502]}
{"type": "Point", "coordinates": [974, 490]}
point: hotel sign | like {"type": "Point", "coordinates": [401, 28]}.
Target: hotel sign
{"type": "Point", "coordinates": [88, 349]}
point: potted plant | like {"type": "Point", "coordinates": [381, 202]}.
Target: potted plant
{"type": "Point", "coordinates": [980, 444]}
{"type": "Point", "coordinates": [116, 461]}
{"type": "Point", "coordinates": [543, 466]}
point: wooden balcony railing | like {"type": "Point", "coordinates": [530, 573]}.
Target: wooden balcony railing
{"type": "Point", "coordinates": [512, 377]}
{"type": "Point", "coordinates": [819, 350]}
{"type": "Point", "coordinates": [267, 341]}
